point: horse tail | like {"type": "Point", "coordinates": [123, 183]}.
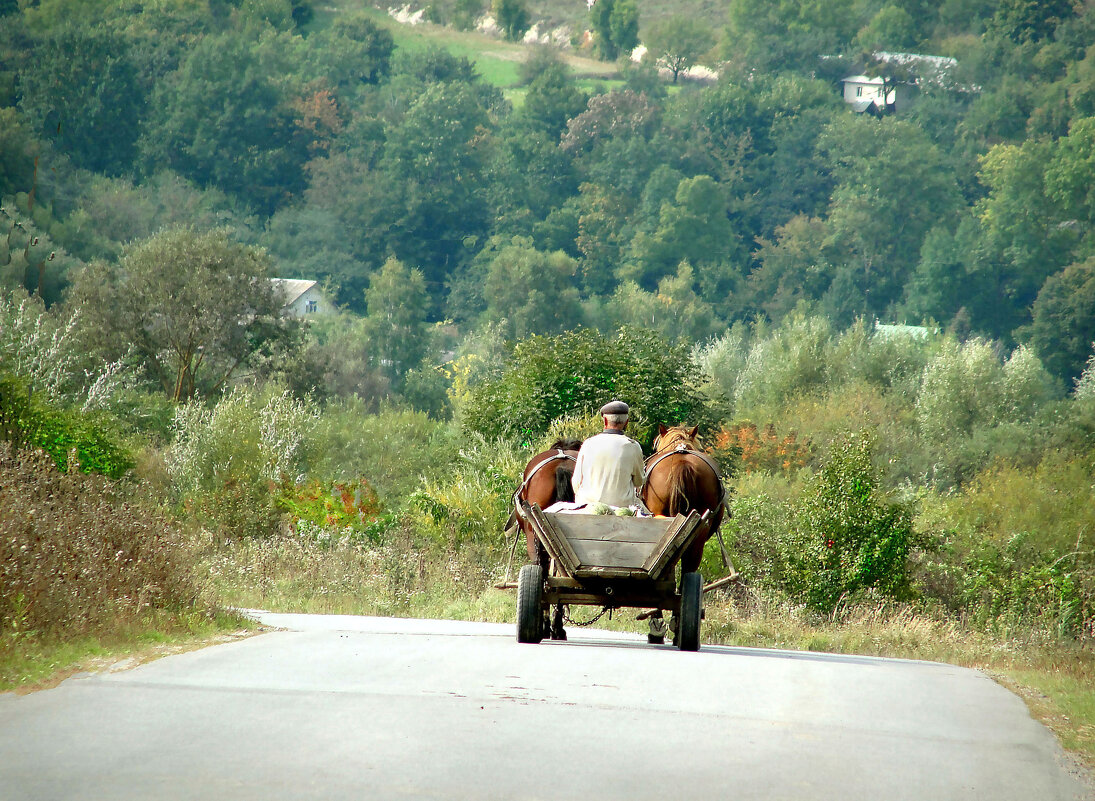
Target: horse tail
{"type": "Point", "coordinates": [564, 490]}
{"type": "Point", "coordinates": [683, 482]}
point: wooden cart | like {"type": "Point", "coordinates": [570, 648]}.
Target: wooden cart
{"type": "Point", "coordinates": [613, 562]}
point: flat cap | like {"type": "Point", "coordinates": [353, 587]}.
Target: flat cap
{"type": "Point", "coordinates": [615, 407]}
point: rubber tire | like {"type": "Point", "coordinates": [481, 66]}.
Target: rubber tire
{"type": "Point", "coordinates": [688, 622]}
{"type": "Point", "coordinates": [530, 593]}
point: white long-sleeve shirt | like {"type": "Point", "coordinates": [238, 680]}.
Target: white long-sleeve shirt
{"type": "Point", "coordinates": [609, 469]}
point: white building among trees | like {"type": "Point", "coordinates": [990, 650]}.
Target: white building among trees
{"type": "Point", "coordinates": [863, 93]}
{"type": "Point", "coordinates": [302, 298]}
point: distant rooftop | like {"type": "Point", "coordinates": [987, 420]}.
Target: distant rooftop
{"type": "Point", "coordinates": [292, 288]}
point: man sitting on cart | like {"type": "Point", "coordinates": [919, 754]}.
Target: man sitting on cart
{"type": "Point", "coordinates": [610, 468]}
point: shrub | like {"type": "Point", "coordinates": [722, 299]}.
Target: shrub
{"type": "Point", "coordinates": [230, 460]}
{"type": "Point", "coordinates": [43, 346]}
{"type": "Point", "coordinates": [788, 362]}
{"type": "Point", "coordinates": [394, 448]}
{"type": "Point", "coordinates": [961, 387]}
{"type": "Point", "coordinates": [721, 362]}
{"type": "Point", "coordinates": [29, 421]}
{"type": "Point", "coordinates": [1014, 547]}
{"type": "Point", "coordinates": [848, 537]}
{"type": "Point", "coordinates": [75, 553]}
{"type": "Point", "coordinates": [1085, 384]}
{"type": "Point", "coordinates": [891, 361]}
{"type": "Point", "coordinates": [473, 500]}
{"type": "Point", "coordinates": [341, 505]}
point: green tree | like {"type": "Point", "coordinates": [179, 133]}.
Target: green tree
{"type": "Point", "coordinates": [574, 374]}
{"type": "Point", "coordinates": [1070, 174]}
{"type": "Point", "coordinates": [695, 228]}
{"type": "Point", "coordinates": [194, 308]}
{"type": "Point", "coordinates": [798, 266]}
{"type": "Point", "coordinates": [1063, 328]}
{"type": "Point", "coordinates": [553, 97]}
{"type": "Point", "coordinates": [679, 42]}
{"type": "Point", "coordinates": [1025, 21]}
{"type": "Point", "coordinates": [354, 52]}
{"type": "Point", "coordinates": [877, 222]}
{"type": "Point", "coordinates": [82, 91]}
{"type": "Point", "coordinates": [395, 322]}
{"type": "Point", "coordinates": [512, 17]}
{"type": "Point", "coordinates": [615, 26]}
{"type": "Point", "coordinates": [531, 292]}
{"type": "Point", "coordinates": [431, 207]}
{"type": "Point", "coordinates": [18, 153]}
{"type": "Point", "coordinates": [1021, 227]}
{"type": "Point", "coordinates": [762, 35]}
{"type": "Point", "coordinates": [675, 310]}
{"type": "Point", "coordinates": [892, 28]}
{"type": "Point", "coordinates": [223, 121]}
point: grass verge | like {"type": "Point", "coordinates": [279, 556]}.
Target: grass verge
{"type": "Point", "coordinates": [29, 663]}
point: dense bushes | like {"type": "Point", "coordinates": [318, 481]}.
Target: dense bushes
{"type": "Point", "coordinates": [231, 460]}
{"type": "Point", "coordinates": [838, 537]}
{"type": "Point", "coordinates": [75, 553]}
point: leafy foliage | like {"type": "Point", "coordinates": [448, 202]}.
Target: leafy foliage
{"type": "Point", "coordinates": [90, 442]}
{"type": "Point", "coordinates": [225, 459]}
{"type": "Point", "coordinates": [196, 307]}
{"type": "Point", "coordinates": [578, 372]}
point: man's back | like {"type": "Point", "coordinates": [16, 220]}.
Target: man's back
{"type": "Point", "coordinates": [609, 470]}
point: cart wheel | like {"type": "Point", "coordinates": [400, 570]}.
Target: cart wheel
{"type": "Point", "coordinates": [530, 592]}
{"type": "Point", "coordinates": [688, 632]}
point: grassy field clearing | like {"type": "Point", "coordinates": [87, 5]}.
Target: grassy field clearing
{"type": "Point", "coordinates": [496, 59]}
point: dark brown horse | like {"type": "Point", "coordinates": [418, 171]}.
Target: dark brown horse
{"type": "Point", "coordinates": [545, 481]}
{"type": "Point", "coordinates": [680, 478]}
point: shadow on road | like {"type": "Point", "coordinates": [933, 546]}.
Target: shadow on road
{"type": "Point", "coordinates": [728, 650]}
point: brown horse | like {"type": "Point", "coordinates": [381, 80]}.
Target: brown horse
{"type": "Point", "coordinates": [546, 480]}
{"type": "Point", "coordinates": [680, 478]}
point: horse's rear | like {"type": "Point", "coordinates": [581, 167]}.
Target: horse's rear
{"type": "Point", "coordinates": [682, 479]}
{"type": "Point", "coordinates": [547, 480]}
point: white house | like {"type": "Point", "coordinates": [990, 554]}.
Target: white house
{"type": "Point", "coordinates": [864, 93]}
{"type": "Point", "coordinates": [302, 298]}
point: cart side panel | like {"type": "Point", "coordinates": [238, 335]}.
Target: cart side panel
{"type": "Point", "coordinates": [553, 540]}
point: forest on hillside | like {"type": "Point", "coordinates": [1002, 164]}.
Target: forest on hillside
{"type": "Point", "coordinates": [317, 139]}
{"type": "Point", "coordinates": [874, 319]}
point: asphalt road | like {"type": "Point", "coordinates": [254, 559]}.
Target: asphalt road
{"type": "Point", "coordinates": [372, 708]}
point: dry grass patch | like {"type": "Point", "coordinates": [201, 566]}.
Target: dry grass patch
{"type": "Point", "coordinates": [346, 576]}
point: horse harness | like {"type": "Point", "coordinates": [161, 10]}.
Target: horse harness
{"type": "Point", "coordinates": [684, 450]}
{"type": "Point", "coordinates": [555, 457]}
